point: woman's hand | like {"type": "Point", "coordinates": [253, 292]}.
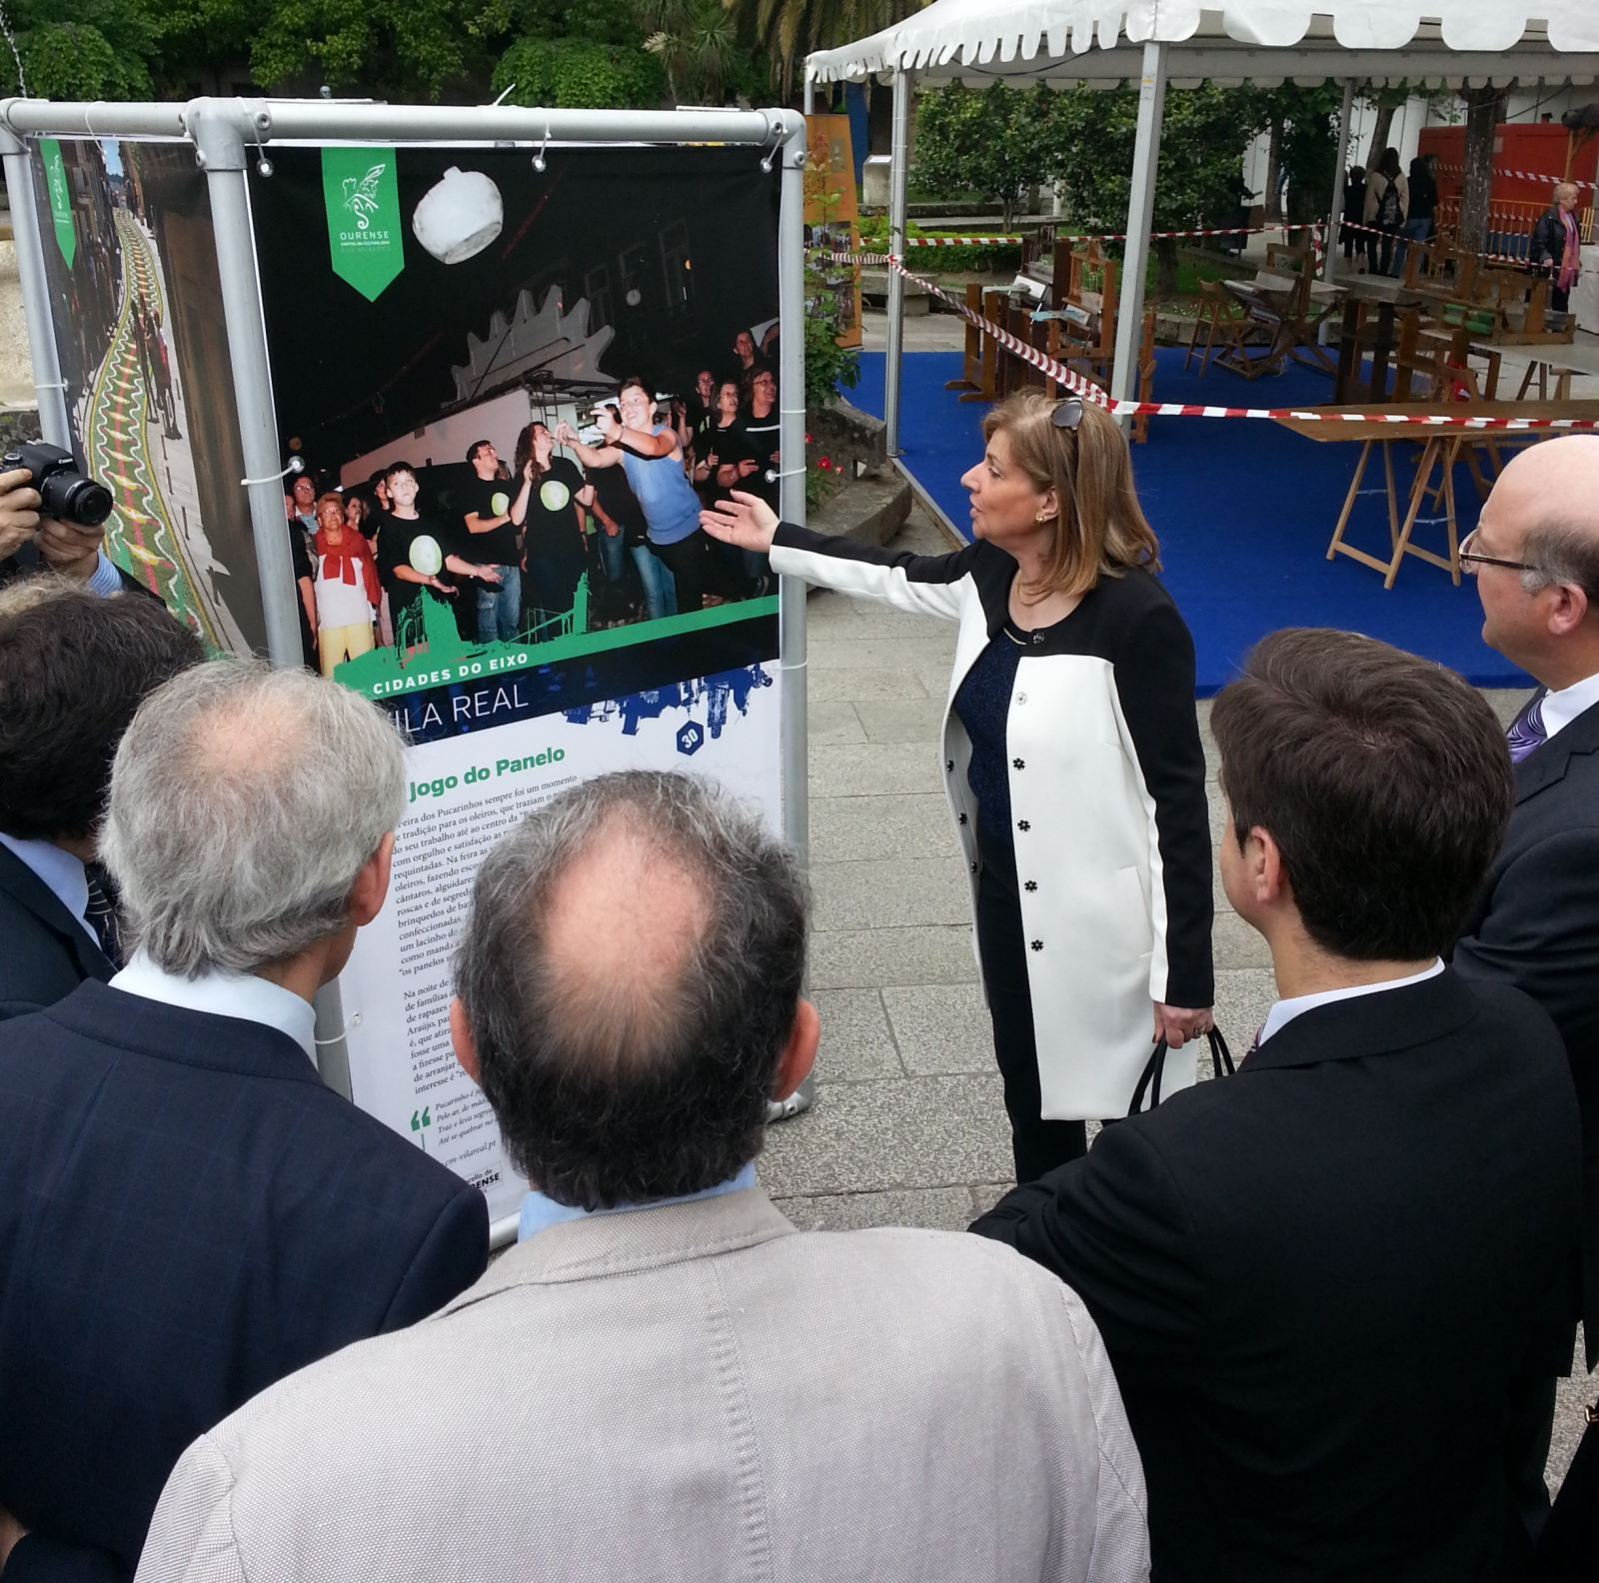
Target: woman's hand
{"type": "Point", "coordinates": [1177, 1024]}
{"type": "Point", "coordinates": [438, 585]}
{"type": "Point", "coordinates": [744, 520]}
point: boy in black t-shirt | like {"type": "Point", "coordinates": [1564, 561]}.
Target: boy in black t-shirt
{"type": "Point", "coordinates": [492, 537]}
{"type": "Point", "coordinates": [400, 577]}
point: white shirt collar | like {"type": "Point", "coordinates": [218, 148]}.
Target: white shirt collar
{"type": "Point", "coordinates": [59, 872]}
{"type": "Point", "coordinates": [1561, 708]}
{"type": "Point", "coordinates": [1285, 1011]}
{"type": "Point", "coordinates": [240, 995]}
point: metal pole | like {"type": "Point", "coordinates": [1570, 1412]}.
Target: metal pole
{"type": "Point", "coordinates": [1336, 214]}
{"type": "Point", "coordinates": [221, 154]}
{"type": "Point", "coordinates": [318, 120]}
{"type": "Point", "coordinates": [1140, 214]}
{"type": "Point", "coordinates": [791, 436]}
{"type": "Point", "coordinates": [898, 182]}
{"type": "Point", "coordinates": [810, 94]}
{"type": "Point", "coordinates": [54, 421]}
{"type": "Point", "coordinates": [220, 149]}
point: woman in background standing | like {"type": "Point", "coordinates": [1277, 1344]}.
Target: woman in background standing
{"type": "Point", "coordinates": [1387, 195]}
{"type": "Point", "coordinates": [1557, 245]}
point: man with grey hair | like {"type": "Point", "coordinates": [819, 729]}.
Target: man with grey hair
{"type": "Point", "coordinates": [1535, 557]}
{"type": "Point", "coordinates": [186, 1213]}
{"type": "Point", "coordinates": [665, 1379]}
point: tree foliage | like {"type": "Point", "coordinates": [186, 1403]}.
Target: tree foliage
{"type": "Point", "coordinates": [793, 28]}
{"type": "Point", "coordinates": [623, 53]}
{"type": "Point", "coordinates": [997, 142]}
{"type": "Point", "coordinates": [579, 74]}
{"type": "Point", "coordinates": [103, 49]}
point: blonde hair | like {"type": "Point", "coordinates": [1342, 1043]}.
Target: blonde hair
{"type": "Point", "coordinates": [1566, 187]}
{"type": "Point", "coordinates": [1100, 528]}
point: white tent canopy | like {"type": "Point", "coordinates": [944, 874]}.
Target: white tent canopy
{"type": "Point", "coordinates": [1104, 43]}
{"type": "Point", "coordinates": [1259, 41]}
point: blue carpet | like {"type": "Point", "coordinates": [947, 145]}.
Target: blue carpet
{"type": "Point", "coordinates": [1244, 510]}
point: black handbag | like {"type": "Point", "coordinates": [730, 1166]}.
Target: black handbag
{"type": "Point", "coordinates": [1221, 1060]}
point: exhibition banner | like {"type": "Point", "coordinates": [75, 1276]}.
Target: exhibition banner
{"type": "Point", "coordinates": [136, 305]}
{"type": "Point", "coordinates": [509, 411]}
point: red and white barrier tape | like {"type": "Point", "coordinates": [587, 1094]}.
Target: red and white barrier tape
{"type": "Point", "coordinates": [1519, 175]}
{"type": "Point", "coordinates": [1108, 236]}
{"type": "Point", "coordinates": [1078, 385]}
{"type": "Point", "coordinates": [1432, 241]}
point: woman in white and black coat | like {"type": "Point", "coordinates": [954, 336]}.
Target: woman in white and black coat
{"type": "Point", "coordinates": [1071, 759]}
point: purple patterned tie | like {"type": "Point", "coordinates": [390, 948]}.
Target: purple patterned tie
{"type": "Point", "coordinates": [1526, 731]}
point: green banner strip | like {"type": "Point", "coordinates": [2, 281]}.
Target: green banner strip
{"type": "Point", "coordinates": [366, 238]}
{"type": "Point", "coordinates": [55, 176]}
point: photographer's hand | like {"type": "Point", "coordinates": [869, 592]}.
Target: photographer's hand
{"type": "Point", "coordinates": [69, 550]}
{"type": "Point", "coordinates": [19, 511]}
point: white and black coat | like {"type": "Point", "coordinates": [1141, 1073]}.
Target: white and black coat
{"type": "Point", "coordinates": [1107, 791]}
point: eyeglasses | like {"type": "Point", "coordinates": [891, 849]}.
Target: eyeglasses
{"type": "Point", "coordinates": [1470, 559]}
{"type": "Point", "coordinates": [1068, 413]}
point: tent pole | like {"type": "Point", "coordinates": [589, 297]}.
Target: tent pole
{"type": "Point", "coordinates": [896, 246]}
{"type": "Point", "coordinates": [1140, 213]}
{"type": "Point", "coordinates": [1336, 213]}
{"type": "Point", "coordinates": [810, 94]}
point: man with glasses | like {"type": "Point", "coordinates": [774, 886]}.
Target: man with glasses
{"type": "Point", "coordinates": [1535, 557]}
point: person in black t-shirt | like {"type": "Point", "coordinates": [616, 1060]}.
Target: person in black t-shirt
{"type": "Point", "coordinates": [552, 495]}
{"type": "Point", "coordinates": [493, 537]}
{"type": "Point", "coordinates": [399, 574]}
{"type": "Point", "coordinates": [760, 431]}
{"type": "Point", "coordinates": [305, 585]}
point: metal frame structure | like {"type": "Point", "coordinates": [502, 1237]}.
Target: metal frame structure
{"type": "Point", "coordinates": [225, 134]}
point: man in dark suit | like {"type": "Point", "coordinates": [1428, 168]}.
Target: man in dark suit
{"type": "Point", "coordinates": [73, 668]}
{"type": "Point", "coordinates": [187, 1213]}
{"type": "Point", "coordinates": [1535, 556]}
{"type": "Point", "coordinates": [1319, 1279]}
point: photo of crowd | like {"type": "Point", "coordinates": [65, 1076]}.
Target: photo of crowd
{"type": "Point", "coordinates": [537, 466]}
{"type": "Point", "coordinates": [594, 505]}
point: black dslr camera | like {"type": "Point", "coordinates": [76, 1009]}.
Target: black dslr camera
{"type": "Point", "coordinates": [64, 492]}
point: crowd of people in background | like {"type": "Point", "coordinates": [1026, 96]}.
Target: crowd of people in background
{"type": "Point", "coordinates": [616, 501]}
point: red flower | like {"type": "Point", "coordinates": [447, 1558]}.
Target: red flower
{"type": "Point", "coordinates": [807, 439]}
{"type": "Point", "coordinates": [823, 463]}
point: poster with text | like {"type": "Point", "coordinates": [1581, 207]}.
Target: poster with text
{"type": "Point", "coordinates": [511, 391]}
{"type": "Point", "coordinates": [136, 302]}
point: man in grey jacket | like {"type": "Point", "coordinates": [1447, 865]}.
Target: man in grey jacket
{"type": "Point", "coordinates": [665, 1379]}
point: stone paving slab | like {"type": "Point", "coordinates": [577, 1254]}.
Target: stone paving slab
{"type": "Point", "coordinates": [851, 829]}
{"type": "Point", "coordinates": [865, 769]}
{"type": "Point", "coordinates": [915, 954]}
{"type": "Point", "coordinates": [941, 1028]}
{"type": "Point", "coordinates": [866, 1137]}
{"type": "Point", "coordinates": [857, 1043]}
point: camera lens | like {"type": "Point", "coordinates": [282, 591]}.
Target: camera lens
{"type": "Point", "coordinates": [70, 497]}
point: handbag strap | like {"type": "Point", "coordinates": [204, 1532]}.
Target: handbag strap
{"type": "Point", "coordinates": [1221, 1058]}
{"type": "Point", "coordinates": [1153, 1068]}
{"type": "Point", "coordinates": [1221, 1062]}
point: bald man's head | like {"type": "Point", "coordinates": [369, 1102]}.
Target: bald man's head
{"type": "Point", "coordinates": [1550, 492]}
{"type": "Point", "coordinates": [628, 982]}
{"type": "Point", "coordinates": [1539, 577]}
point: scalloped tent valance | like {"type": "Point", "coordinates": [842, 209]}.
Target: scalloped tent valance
{"type": "Point", "coordinates": [1092, 42]}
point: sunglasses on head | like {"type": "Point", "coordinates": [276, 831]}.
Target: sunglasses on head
{"type": "Point", "coordinates": [1068, 413]}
